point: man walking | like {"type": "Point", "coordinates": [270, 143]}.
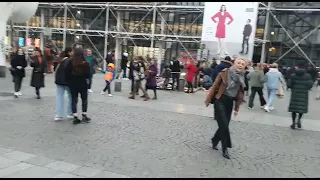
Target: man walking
{"type": "Point", "coordinates": [93, 64]}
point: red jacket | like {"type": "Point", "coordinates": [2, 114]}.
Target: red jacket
{"type": "Point", "coordinates": [192, 71]}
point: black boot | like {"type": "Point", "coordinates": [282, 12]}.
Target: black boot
{"type": "Point", "coordinates": [299, 123]}
{"type": "Point", "coordinates": [241, 52]}
{"type": "Point", "coordinates": [76, 120]}
{"type": "Point", "coordinates": [85, 118]}
{"type": "Point", "coordinates": [225, 154]}
{"type": "Point", "coordinates": [214, 144]}
{"type": "Point", "coordinates": [293, 125]}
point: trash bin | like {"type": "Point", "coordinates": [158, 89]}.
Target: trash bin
{"type": "Point", "coordinates": [117, 86]}
{"type": "Point", "coordinates": [182, 84]}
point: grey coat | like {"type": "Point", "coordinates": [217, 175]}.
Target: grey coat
{"type": "Point", "coordinates": [256, 78]}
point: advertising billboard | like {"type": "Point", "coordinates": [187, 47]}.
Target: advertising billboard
{"type": "Point", "coordinates": [37, 43]}
{"type": "Point", "coordinates": [229, 28]}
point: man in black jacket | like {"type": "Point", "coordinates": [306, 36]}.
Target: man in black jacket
{"type": "Point", "coordinates": [175, 70]}
{"type": "Point", "coordinates": [110, 57]}
{"type": "Point", "coordinates": [247, 30]}
{"type": "Point", "coordinates": [124, 62]}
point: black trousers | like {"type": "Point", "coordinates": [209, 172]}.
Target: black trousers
{"type": "Point", "coordinates": [17, 83]}
{"type": "Point", "coordinates": [90, 81]}
{"type": "Point", "coordinates": [245, 42]}
{"type": "Point", "coordinates": [175, 79]}
{"type": "Point", "coordinates": [223, 111]}
{"type": "Point", "coordinates": [190, 87]}
{"type": "Point", "coordinates": [37, 91]}
{"type": "Point", "coordinates": [255, 90]}
{"type": "Point", "coordinates": [132, 85]}
{"type": "Point", "coordinates": [75, 91]}
{"type": "Point", "coordinates": [107, 87]}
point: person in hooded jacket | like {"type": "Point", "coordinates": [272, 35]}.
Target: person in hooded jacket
{"type": "Point", "coordinates": [226, 63]}
{"type": "Point", "coordinates": [62, 85]}
{"type": "Point", "coordinates": [18, 64]}
{"type": "Point", "coordinates": [300, 84]}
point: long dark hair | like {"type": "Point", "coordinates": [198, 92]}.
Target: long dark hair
{"type": "Point", "coordinates": [64, 54]}
{"type": "Point", "coordinates": [79, 62]}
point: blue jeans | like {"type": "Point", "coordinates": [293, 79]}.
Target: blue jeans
{"type": "Point", "coordinates": [60, 101]}
{"type": "Point", "coordinates": [271, 96]}
{"type": "Point", "coordinates": [124, 71]}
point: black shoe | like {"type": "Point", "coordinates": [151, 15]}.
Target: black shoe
{"type": "Point", "coordinates": [214, 145]}
{"type": "Point", "coordinates": [293, 126]}
{"type": "Point", "coordinates": [225, 154]}
{"type": "Point", "coordinates": [154, 98]}
{"type": "Point", "coordinates": [85, 119]}
{"type": "Point", "coordinates": [299, 125]}
{"type": "Point", "coordinates": [143, 96]}
{"type": "Point", "coordinates": [241, 52]}
{"type": "Point", "coordinates": [16, 96]}
{"type": "Point", "coordinates": [38, 97]}
{"type": "Point", "coordinates": [247, 52]}
{"type": "Point", "coordinates": [76, 120]}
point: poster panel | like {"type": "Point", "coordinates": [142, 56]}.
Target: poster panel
{"type": "Point", "coordinates": [229, 28]}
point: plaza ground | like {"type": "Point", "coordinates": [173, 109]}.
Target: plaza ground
{"type": "Point", "coordinates": [169, 137]}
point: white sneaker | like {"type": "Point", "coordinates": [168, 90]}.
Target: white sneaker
{"type": "Point", "coordinates": [19, 93]}
{"type": "Point", "coordinates": [250, 107]}
{"type": "Point", "coordinates": [102, 93]}
{"type": "Point", "coordinates": [69, 117]}
{"type": "Point", "coordinates": [110, 95]}
{"type": "Point", "coordinates": [271, 108]}
{"type": "Point", "coordinates": [58, 118]}
{"type": "Point", "coordinates": [266, 109]}
{"type": "Point", "coordinates": [89, 91]}
{"type": "Point", "coordinates": [262, 107]}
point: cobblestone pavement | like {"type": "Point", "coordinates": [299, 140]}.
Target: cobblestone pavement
{"type": "Point", "coordinates": [144, 139]}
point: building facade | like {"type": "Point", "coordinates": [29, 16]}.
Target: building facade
{"type": "Point", "coordinates": [166, 29]}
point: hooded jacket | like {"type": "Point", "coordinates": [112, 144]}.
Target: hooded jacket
{"type": "Point", "coordinates": [223, 65]}
{"type": "Point", "coordinates": [274, 77]}
{"type": "Point", "coordinates": [110, 73]}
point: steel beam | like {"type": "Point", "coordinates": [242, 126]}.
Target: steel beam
{"type": "Point", "coordinates": [265, 34]}
{"type": "Point", "coordinates": [65, 14]}
{"type": "Point", "coordinates": [106, 35]}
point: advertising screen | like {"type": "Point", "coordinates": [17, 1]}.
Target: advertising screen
{"type": "Point", "coordinates": [21, 41]}
{"type": "Point", "coordinates": [229, 28]}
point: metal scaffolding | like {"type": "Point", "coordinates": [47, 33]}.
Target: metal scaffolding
{"type": "Point", "coordinates": [122, 36]}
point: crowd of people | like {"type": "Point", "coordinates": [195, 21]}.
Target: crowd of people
{"type": "Point", "coordinates": [232, 81]}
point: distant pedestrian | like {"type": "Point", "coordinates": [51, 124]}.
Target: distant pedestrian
{"type": "Point", "coordinates": [139, 77]}
{"type": "Point", "coordinates": [256, 82]}
{"type": "Point", "coordinates": [110, 57]}
{"type": "Point", "coordinates": [300, 84]}
{"type": "Point", "coordinates": [109, 76]}
{"type": "Point", "coordinates": [124, 62]}
{"type": "Point", "coordinates": [93, 63]}
{"type": "Point", "coordinates": [78, 73]}
{"type": "Point", "coordinates": [18, 65]}
{"type": "Point", "coordinates": [175, 67]}
{"type": "Point", "coordinates": [227, 88]}
{"type": "Point", "coordinates": [39, 71]}
{"type": "Point", "coordinates": [151, 78]}
{"type": "Point", "coordinates": [62, 85]}
{"type": "Point", "coordinates": [191, 74]}
{"type": "Point", "coordinates": [166, 75]}
{"type": "Point", "coordinates": [274, 82]}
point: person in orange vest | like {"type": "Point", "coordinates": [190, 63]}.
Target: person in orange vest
{"type": "Point", "coordinates": [110, 74]}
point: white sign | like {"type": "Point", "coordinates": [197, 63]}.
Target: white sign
{"type": "Point", "coordinates": [229, 28]}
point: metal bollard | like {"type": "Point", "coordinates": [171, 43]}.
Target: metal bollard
{"type": "Point", "coordinates": [182, 83]}
{"type": "Point", "coordinates": [117, 86]}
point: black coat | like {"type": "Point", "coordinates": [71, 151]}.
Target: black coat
{"type": "Point", "coordinates": [78, 80]}
{"type": "Point", "coordinates": [60, 73]}
{"type": "Point", "coordinates": [37, 78]}
{"type": "Point", "coordinates": [124, 62]}
{"type": "Point", "coordinates": [18, 60]}
{"type": "Point", "coordinates": [300, 83]}
{"type": "Point", "coordinates": [110, 58]}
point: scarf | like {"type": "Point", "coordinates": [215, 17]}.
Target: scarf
{"type": "Point", "coordinates": [235, 78]}
{"type": "Point", "coordinates": [40, 59]}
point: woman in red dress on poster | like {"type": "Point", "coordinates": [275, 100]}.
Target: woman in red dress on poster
{"type": "Point", "coordinates": [222, 17]}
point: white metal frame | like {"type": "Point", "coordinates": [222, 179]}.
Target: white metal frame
{"type": "Point", "coordinates": [156, 8]}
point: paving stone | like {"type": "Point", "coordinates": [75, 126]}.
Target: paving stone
{"type": "Point", "coordinates": [14, 169]}
{"type": "Point", "coordinates": [107, 174]}
{"type": "Point", "coordinates": [86, 171]}
{"type": "Point", "coordinates": [39, 161]}
{"type": "Point", "coordinates": [4, 150]}
{"type": "Point", "coordinates": [68, 175]}
{"type": "Point", "coordinates": [6, 162]}
{"type": "Point", "coordinates": [18, 155]}
{"type": "Point", "coordinates": [62, 166]}
{"type": "Point", "coordinates": [35, 172]}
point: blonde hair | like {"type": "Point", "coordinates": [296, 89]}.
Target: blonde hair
{"type": "Point", "coordinates": [274, 65]}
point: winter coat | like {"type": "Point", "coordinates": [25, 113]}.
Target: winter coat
{"type": "Point", "coordinates": [18, 60]}
{"type": "Point", "coordinates": [78, 80]}
{"type": "Point", "coordinates": [151, 79]}
{"type": "Point", "coordinates": [37, 77]}
{"type": "Point", "coordinates": [274, 78]}
{"type": "Point", "coordinates": [60, 74]}
{"type": "Point", "coordinates": [93, 63]}
{"type": "Point", "coordinates": [256, 78]}
{"type": "Point", "coordinates": [192, 71]}
{"type": "Point", "coordinates": [300, 84]}
{"type": "Point", "coordinates": [224, 64]}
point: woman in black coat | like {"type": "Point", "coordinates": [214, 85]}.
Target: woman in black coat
{"type": "Point", "coordinates": [38, 73]}
{"type": "Point", "coordinates": [18, 64]}
{"type": "Point", "coordinates": [300, 84]}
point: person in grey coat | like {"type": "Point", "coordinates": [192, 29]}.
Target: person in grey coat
{"type": "Point", "coordinates": [300, 84]}
{"type": "Point", "coordinates": [256, 80]}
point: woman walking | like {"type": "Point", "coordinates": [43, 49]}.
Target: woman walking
{"type": "Point", "coordinates": [192, 71]}
{"type": "Point", "coordinates": [18, 64]}
{"type": "Point", "coordinates": [62, 85]}
{"type": "Point", "coordinates": [151, 78]}
{"type": "Point", "coordinates": [78, 73]}
{"type": "Point", "coordinates": [300, 84]}
{"type": "Point", "coordinates": [38, 73]}
{"type": "Point", "coordinates": [227, 87]}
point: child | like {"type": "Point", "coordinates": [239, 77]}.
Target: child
{"type": "Point", "coordinates": [166, 74]}
{"type": "Point", "coordinates": [109, 76]}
